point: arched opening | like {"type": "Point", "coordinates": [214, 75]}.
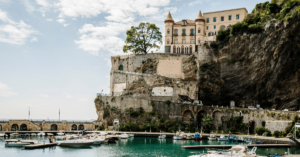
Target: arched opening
{"type": "Point", "coordinates": [168, 31]}
{"type": "Point", "coordinates": [186, 50]}
{"type": "Point", "coordinates": [74, 127]}
{"type": "Point", "coordinates": [14, 127]}
{"type": "Point", "coordinates": [191, 49]}
{"type": "Point", "coordinates": [174, 49]}
{"type": "Point", "coordinates": [187, 116]}
{"type": "Point", "coordinates": [182, 49]}
{"type": "Point", "coordinates": [121, 67]}
{"type": "Point", "coordinates": [178, 50]}
{"type": "Point", "coordinates": [200, 115]}
{"type": "Point", "coordinates": [0, 127]}
{"type": "Point", "coordinates": [81, 127]}
{"type": "Point", "coordinates": [217, 115]}
{"type": "Point", "coordinates": [53, 127]}
{"type": "Point", "coordinates": [199, 30]}
{"type": "Point", "coordinates": [222, 28]}
{"type": "Point", "coordinates": [23, 127]}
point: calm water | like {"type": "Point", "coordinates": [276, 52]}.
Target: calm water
{"type": "Point", "coordinates": [134, 147]}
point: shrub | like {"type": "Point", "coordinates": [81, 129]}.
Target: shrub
{"type": "Point", "coordinates": [204, 67]}
{"type": "Point", "coordinates": [168, 102]}
{"type": "Point", "coordinates": [238, 28]}
{"type": "Point", "coordinates": [276, 133]}
{"type": "Point", "coordinates": [152, 113]}
{"type": "Point", "coordinates": [141, 110]}
{"type": "Point", "coordinates": [134, 114]}
{"type": "Point", "coordinates": [112, 99]}
{"type": "Point", "coordinates": [96, 99]}
{"type": "Point", "coordinates": [263, 123]}
{"type": "Point", "coordinates": [100, 127]}
{"type": "Point", "coordinates": [152, 103]}
{"type": "Point", "coordinates": [267, 133]}
{"type": "Point", "coordinates": [261, 130]}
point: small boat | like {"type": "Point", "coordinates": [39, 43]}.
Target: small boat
{"type": "Point", "coordinates": [189, 137]}
{"type": "Point", "coordinates": [162, 136]}
{"type": "Point", "coordinates": [49, 134]}
{"type": "Point", "coordinates": [248, 140]}
{"type": "Point", "coordinates": [197, 136]}
{"type": "Point", "coordinates": [19, 142]}
{"type": "Point", "coordinates": [2, 135]}
{"type": "Point", "coordinates": [222, 138]}
{"type": "Point", "coordinates": [75, 143]}
{"type": "Point", "coordinates": [123, 136]}
{"type": "Point", "coordinates": [41, 134]}
{"type": "Point", "coordinates": [131, 135]}
{"type": "Point", "coordinates": [231, 138]}
{"type": "Point", "coordinates": [33, 134]}
{"type": "Point", "coordinates": [240, 139]}
{"type": "Point", "coordinates": [183, 136]}
{"type": "Point", "coordinates": [177, 136]}
{"type": "Point", "coordinates": [212, 137]}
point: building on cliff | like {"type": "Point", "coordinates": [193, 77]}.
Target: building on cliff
{"type": "Point", "coordinates": [184, 36]}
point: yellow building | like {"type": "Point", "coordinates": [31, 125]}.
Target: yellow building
{"type": "Point", "coordinates": [184, 36]}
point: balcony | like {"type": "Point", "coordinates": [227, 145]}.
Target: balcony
{"type": "Point", "coordinates": [175, 34]}
{"type": "Point", "coordinates": [192, 34]}
{"type": "Point", "coordinates": [183, 34]}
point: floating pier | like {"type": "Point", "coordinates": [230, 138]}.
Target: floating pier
{"type": "Point", "coordinates": [229, 146]}
{"type": "Point", "coordinates": [36, 146]}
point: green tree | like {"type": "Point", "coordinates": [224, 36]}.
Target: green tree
{"type": "Point", "coordinates": [208, 122]}
{"type": "Point", "coordinates": [142, 38]}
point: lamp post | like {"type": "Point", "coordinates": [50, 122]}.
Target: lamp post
{"type": "Point", "coordinates": [248, 129]}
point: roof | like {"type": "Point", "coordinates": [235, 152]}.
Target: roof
{"type": "Point", "coordinates": [226, 10]}
{"type": "Point", "coordinates": [169, 17]}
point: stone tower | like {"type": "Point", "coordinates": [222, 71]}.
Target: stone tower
{"type": "Point", "coordinates": [200, 22]}
{"type": "Point", "coordinates": [168, 33]}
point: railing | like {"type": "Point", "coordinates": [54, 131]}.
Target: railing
{"type": "Point", "coordinates": [183, 34]}
{"type": "Point", "coordinates": [192, 34]}
{"type": "Point", "coordinates": [175, 34]}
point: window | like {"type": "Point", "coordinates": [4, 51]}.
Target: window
{"type": "Point", "coordinates": [168, 32]}
{"type": "Point", "coordinates": [209, 34]}
{"type": "Point", "coordinates": [175, 41]}
{"type": "Point", "coordinates": [212, 34]}
{"type": "Point", "coordinates": [199, 41]}
{"type": "Point", "coordinates": [207, 27]}
{"type": "Point", "coordinates": [215, 19]}
{"type": "Point", "coordinates": [183, 23]}
{"type": "Point", "coordinates": [183, 41]}
{"type": "Point", "coordinates": [178, 50]}
{"type": "Point", "coordinates": [192, 41]}
{"type": "Point", "coordinates": [186, 50]}
{"type": "Point", "coordinates": [237, 17]}
{"type": "Point", "coordinates": [192, 32]}
{"type": "Point", "coordinates": [176, 32]}
{"type": "Point", "coordinates": [183, 32]}
{"type": "Point", "coordinates": [182, 49]}
{"type": "Point", "coordinates": [207, 20]}
{"type": "Point", "coordinates": [229, 17]}
{"type": "Point", "coordinates": [222, 18]}
{"type": "Point", "coordinates": [168, 42]}
{"type": "Point", "coordinates": [215, 27]}
{"type": "Point", "coordinates": [199, 31]}
{"type": "Point", "coordinates": [191, 50]}
{"type": "Point", "coordinates": [174, 49]}
{"type": "Point", "coordinates": [121, 67]}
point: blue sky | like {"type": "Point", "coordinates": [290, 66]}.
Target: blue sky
{"type": "Point", "coordinates": [56, 53]}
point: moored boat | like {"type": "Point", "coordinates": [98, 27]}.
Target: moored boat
{"type": "Point", "coordinates": [222, 138]}
{"type": "Point", "coordinates": [2, 135]}
{"type": "Point", "coordinates": [162, 136]}
{"type": "Point", "coordinates": [197, 136]}
{"type": "Point", "coordinates": [189, 137]}
{"type": "Point", "coordinates": [75, 143]}
{"type": "Point", "coordinates": [123, 136]}
{"type": "Point", "coordinates": [212, 137]}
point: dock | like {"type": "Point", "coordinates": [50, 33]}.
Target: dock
{"type": "Point", "coordinates": [229, 146]}
{"type": "Point", "coordinates": [36, 146]}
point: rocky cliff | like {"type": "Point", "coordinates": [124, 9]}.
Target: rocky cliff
{"type": "Point", "coordinates": [260, 68]}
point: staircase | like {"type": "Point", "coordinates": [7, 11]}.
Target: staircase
{"type": "Point", "coordinates": [295, 140]}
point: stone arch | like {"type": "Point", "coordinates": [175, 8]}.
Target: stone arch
{"type": "Point", "coordinates": [23, 127]}
{"type": "Point", "coordinates": [182, 49]}
{"type": "Point", "coordinates": [200, 115]}
{"type": "Point", "coordinates": [53, 127]}
{"type": "Point", "coordinates": [14, 127]}
{"type": "Point", "coordinates": [178, 50]}
{"type": "Point", "coordinates": [81, 127]}
{"type": "Point", "coordinates": [187, 116]}
{"type": "Point", "coordinates": [217, 115]}
{"type": "Point", "coordinates": [191, 48]}
{"type": "Point", "coordinates": [74, 127]}
{"type": "Point", "coordinates": [186, 50]}
{"type": "Point", "coordinates": [121, 67]}
{"type": "Point", "coordinates": [174, 49]}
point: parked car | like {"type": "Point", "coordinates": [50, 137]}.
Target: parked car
{"type": "Point", "coordinates": [285, 110]}
{"type": "Point", "coordinates": [252, 107]}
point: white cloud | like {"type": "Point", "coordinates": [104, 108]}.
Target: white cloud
{"type": "Point", "coordinates": [44, 95]}
{"type": "Point", "coordinates": [14, 32]}
{"type": "Point", "coordinates": [28, 5]}
{"type": "Point", "coordinates": [49, 20]}
{"type": "Point", "coordinates": [5, 91]}
{"type": "Point", "coordinates": [34, 39]}
{"type": "Point", "coordinates": [61, 20]}
{"type": "Point", "coordinates": [197, 2]}
{"type": "Point", "coordinates": [43, 3]}
{"type": "Point", "coordinates": [65, 25]}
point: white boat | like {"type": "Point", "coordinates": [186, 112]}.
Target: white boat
{"type": "Point", "coordinates": [162, 136]}
{"type": "Point", "coordinates": [60, 137]}
{"type": "Point", "coordinates": [131, 135]}
{"type": "Point", "coordinates": [19, 142]}
{"type": "Point", "coordinates": [123, 136]}
{"type": "Point", "coordinates": [2, 135]}
{"type": "Point", "coordinates": [235, 151]}
{"type": "Point", "coordinates": [223, 138]}
{"type": "Point", "coordinates": [177, 136]}
{"type": "Point", "coordinates": [33, 134]}
{"type": "Point", "coordinates": [212, 137]}
{"type": "Point", "coordinates": [189, 136]}
{"type": "Point", "coordinates": [41, 134]}
{"type": "Point", "coordinates": [49, 134]}
{"type": "Point", "coordinates": [75, 143]}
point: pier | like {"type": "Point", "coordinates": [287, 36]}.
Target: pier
{"type": "Point", "coordinates": [36, 146]}
{"type": "Point", "coordinates": [229, 146]}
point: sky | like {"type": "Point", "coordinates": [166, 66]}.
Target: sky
{"type": "Point", "coordinates": [55, 54]}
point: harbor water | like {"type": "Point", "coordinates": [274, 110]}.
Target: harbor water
{"type": "Point", "coordinates": [132, 147]}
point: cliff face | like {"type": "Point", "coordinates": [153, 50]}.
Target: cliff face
{"type": "Point", "coordinates": [262, 68]}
